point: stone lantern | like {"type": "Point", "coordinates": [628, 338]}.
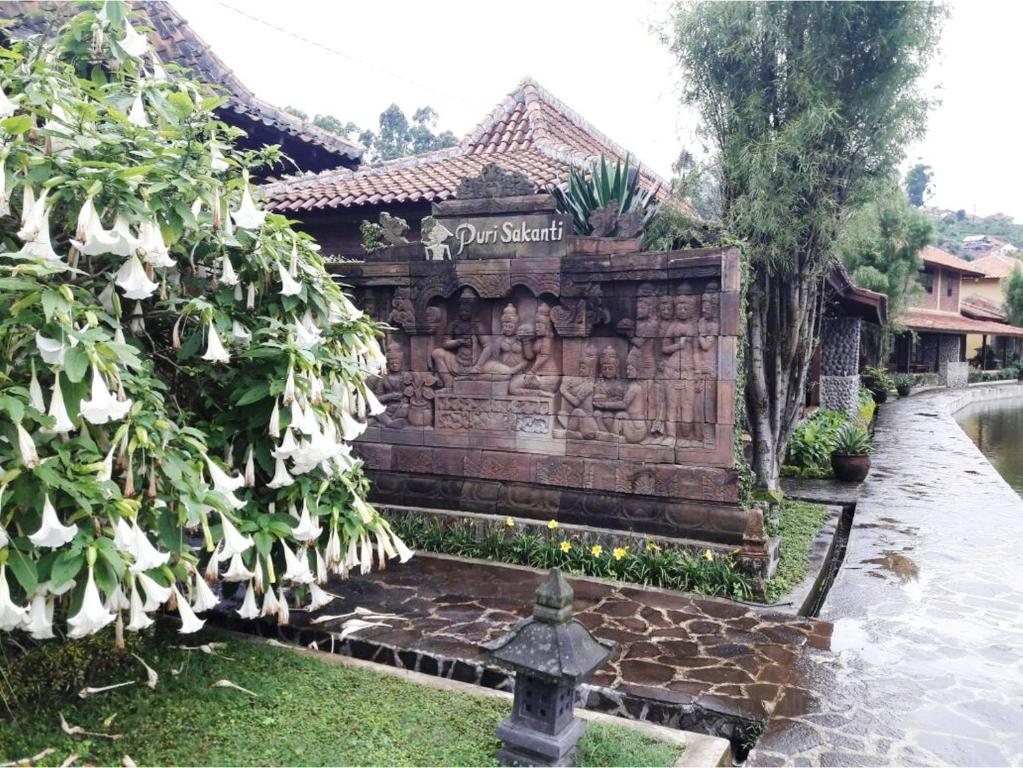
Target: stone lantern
{"type": "Point", "coordinates": [551, 653]}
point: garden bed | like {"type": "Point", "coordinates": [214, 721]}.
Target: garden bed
{"type": "Point", "coordinates": [301, 710]}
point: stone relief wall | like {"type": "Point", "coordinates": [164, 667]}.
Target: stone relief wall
{"type": "Point", "coordinates": [579, 379]}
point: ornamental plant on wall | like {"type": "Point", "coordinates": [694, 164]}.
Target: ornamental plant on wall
{"type": "Point", "coordinates": [180, 376]}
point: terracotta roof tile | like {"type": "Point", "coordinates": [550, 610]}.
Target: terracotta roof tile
{"type": "Point", "coordinates": [933, 321]}
{"type": "Point", "coordinates": [530, 131]}
{"type": "Point", "coordinates": [931, 255]}
{"type": "Point", "coordinates": [981, 308]}
{"type": "Point", "coordinates": [996, 265]}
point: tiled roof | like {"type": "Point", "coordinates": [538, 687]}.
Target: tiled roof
{"type": "Point", "coordinates": [996, 265]}
{"type": "Point", "coordinates": [981, 308]}
{"type": "Point", "coordinates": [934, 321]}
{"type": "Point", "coordinates": [530, 131]}
{"type": "Point", "coordinates": [931, 255]}
{"type": "Point", "coordinates": [175, 41]}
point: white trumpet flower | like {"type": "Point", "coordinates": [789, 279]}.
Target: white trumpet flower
{"type": "Point", "coordinates": [288, 446]}
{"type": "Point", "coordinates": [35, 392]}
{"type": "Point", "coordinates": [227, 274]}
{"type": "Point", "coordinates": [40, 247]}
{"type": "Point", "coordinates": [282, 478]}
{"type": "Point", "coordinates": [308, 528]}
{"type": "Point", "coordinates": [270, 604]}
{"type": "Point", "coordinates": [321, 568]}
{"type": "Point", "coordinates": [189, 621]}
{"type": "Point", "coordinates": [248, 216]}
{"type": "Point", "coordinates": [274, 427]}
{"type": "Point", "coordinates": [289, 286]}
{"type": "Point", "coordinates": [404, 553]}
{"type": "Point", "coordinates": [137, 113]}
{"type": "Point", "coordinates": [58, 410]}
{"type": "Point", "coordinates": [146, 555]}
{"type": "Point", "coordinates": [116, 601]}
{"type": "Point", "coordinates": [51, 532]}
{"type": "Point", "coordinates": [304, 337]}
{"type": "Point", "coordinates": [365, 555]}
{"type": "Point", "coordinates": [223, 482]}
{"type": "Point", "coordinates": [240, 333]}
{"type": "Point", "coordinates": [217, 161]}
{"type": "Point", "coordinates": [11, 614]}
{"type": "Point", "coordinates": [124, 536]}
{"type": "Point", "coordinates": [318, 598]}
{"type": "Point", "coordinates": [156, 595]}
{"type": "Point", "coordinates": [350, 428]}
{"type": "Point", "coordinates": [366, 512]}
{"type": "Point", "coordinates": [332, 554]}
{"type": "Point", "coordinates": [39, 621]}
{"type": "Point", "coordinates": [283, 615]}
{"type": "Point", "coordinates": [103, 406]}
{"type": "Point", "coordinates": [93, 239]}
{"type": "Point", "coordinates": [27, 448]}
{"type": "Point", "coordinates": [205, 598]}
{"type": "Point", "coordinates": [296, 567]}
{"type": "Point", "coordinates": [249, 609]}
{"type": "Point", "coordinates": [138, 620]}
{"type": "Point", "coordinates": [6, 105]}
{"type": "Point", "coordinates": [250, 469]}
{"type": "Point", "coordinates": [91, 616]}
{"type": "Point", "coordinates": [375, 406]}
{"type": "Point", "coordinates": [133, 43]}
{"type": "Point", "coordinates": [344, 310]}
{"type": "Point", "coordinates": [236, 570]}
{"type": "Point", "coordinates": [154, 249]}
{"type": "Point", "coordinates": [31, 214]}
{"type": "Point", "coordinates": [108, 466]}
{"type": "Point", "coordinates": [5, 198]}
{"type": "Point", "coordinates": [123, 242]}
{"type": "Point", "coordinates": [132, 279]}
{"type": "Point", "coordinates": [51, 350]}
{"type": "Point", "coordinates": [215, 351]}
{"type": "Point", "coordinates": [289, 387]}
{"type": "Point", "coordinates": [234, 542]}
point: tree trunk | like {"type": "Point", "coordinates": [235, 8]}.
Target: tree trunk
{"type": "Point", "coordinates": [784, 313]}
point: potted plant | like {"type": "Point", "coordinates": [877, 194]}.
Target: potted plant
{"type": "Point", "coordinates": [878, 381]}
{"type": "Point", "coordinates": [850, 459]}
{"type": "Point", "coordinates": [903, 384]}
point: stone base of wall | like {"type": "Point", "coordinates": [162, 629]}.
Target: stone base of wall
{"type": "Point", "coordinates": [954, 375]}
{"type": "Point", "coordinates": [840, 393]}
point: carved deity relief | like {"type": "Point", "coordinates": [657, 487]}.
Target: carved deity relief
{"type": "Point", "coordinates": [576, 415]}
{"type": "Point", "coordinates": [504, 355]}
{"type": "Point", "coordinates": [544, 375]}
{"type": "Point", "coordinates": [389, 388]}
{"type": "Point", "coordinates": [609, 391]}
{"type": "Point", "coordinates": [460, 349]}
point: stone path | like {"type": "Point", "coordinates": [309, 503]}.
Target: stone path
{"type": "Point", "coordinates": [700, 664]}
{"type": "Point", "coordinates": [926, 658]}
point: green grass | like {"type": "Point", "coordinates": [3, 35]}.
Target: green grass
{"type": "Point", "coordinates": [306, 712]}
{"type": "Point", "coordinates": [798, 526]}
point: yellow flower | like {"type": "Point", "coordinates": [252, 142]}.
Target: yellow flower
{"type": "Point", "coordinates": [651, 547]}
{"type": "Point", "coordinates": [596, 550]}
{"type": "Point", "coordinates": [619, 552]}
{"type": "Point", "coordinates": [509, 522]}
{"type": "Point", "coordinates": [565, 546]}
{"type": "Point", "coordinates": [708, 555]}
{"type": "Point", "coordinates": [552, 524]}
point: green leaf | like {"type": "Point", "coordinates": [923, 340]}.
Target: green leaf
{"type": "Point", "coordinates": [263, 541]}
{"type": "Point", "coordinates": [254, 394]}
{"type": "Point", "coordinates": [66, 567]}
{"type": "Point", "coordinates": [111, 555]}
{"type": "Point", "coordinates": [24, 570]}
{"type": "Point", "coordinates": [181, 104]}
{"type": "Point", "coordinates": [17, 124]}
{"type": "Point", "coordinates": [76, 363]}
{"type": "Point", "coordinates": [97, 75]}
{"type": "Point", "coordinates": [53, 304]}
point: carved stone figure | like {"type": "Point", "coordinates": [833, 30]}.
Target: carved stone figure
{"type": "Point", "coordinates": [576, 415]}
{"type": "Point", "coordinates": [630, 224]}
{"type": "Point", "coordinates": [390, 389]}
{"type": "Point", "coordinates": [434, 236]}
{"type": "Point", "coordinates": [705, 355]}
{"type": "Point", "coordinates": [609, 392]}
{"type": "Point", "coordinates": [394, 229]}
{"type": "Point", "coordinates": [544, 375]}
{"type": "Point", "coordinates": [632, 418]}
{"type": "Point", "coordinates": [495, 181]}
{"type": "Point", "coordinates": [460, 349]}
{"type": "Point", "coordinates": [420, 394]}
{"type": "Point", "coordinates": [675, 364]}
{"type": "Point", "coordinates": [603, 220]}
{"type": "Point", "coordinates": [503, 356]}
{"type": "Point", "coordinates": [402, 314]}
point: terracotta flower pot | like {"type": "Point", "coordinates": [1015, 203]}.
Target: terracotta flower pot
{"type": "Point", "coordinates": [850, 468]}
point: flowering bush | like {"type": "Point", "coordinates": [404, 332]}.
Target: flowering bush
{"type": "Point", "coordinates": [180, 376]}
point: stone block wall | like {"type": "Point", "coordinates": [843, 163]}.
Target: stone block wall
{"type": "Point", "coordinates": [840, 393]}
{"type": "Point", "coordinates": [840, 364]}
{"type": "Point", "coordinates": [953, 373]}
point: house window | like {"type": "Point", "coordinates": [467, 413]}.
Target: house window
{"type": "Point", "coordinates": [927, 280]}
{"type": "Point", "coordinates": [948, 288]}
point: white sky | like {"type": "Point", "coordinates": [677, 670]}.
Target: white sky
{"type": "Point", "coordinates": [600, 58]}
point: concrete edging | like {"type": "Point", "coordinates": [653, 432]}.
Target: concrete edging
{"type": "Point", "coordinates": [700, 750]}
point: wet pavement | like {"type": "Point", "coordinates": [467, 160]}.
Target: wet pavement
{"type": "Point", "coordinates": [702, 664]}
{"type": "Point", "coordinates": [926, 659]}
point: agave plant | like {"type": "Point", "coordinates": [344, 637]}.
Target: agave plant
{"type": "Point", "coordinates": [601, 188]}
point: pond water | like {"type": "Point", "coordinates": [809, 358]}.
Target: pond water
{"type": "Point", "coordinates": [997, 429]}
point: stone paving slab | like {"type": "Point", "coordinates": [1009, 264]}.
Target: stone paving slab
{"type": "Point", "coordinates": [926, 658]}
{"type": "Point", "coordinates": [701, 664]}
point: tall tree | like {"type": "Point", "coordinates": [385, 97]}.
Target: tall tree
{"type": "Point", "coordinates": [918, 183]}
{"type": "Point", "coordinates": [880, 245]}
{"type": "Point", "coordinates": [810, 105]}
{"type": "Point", "coordinates": [1014, 296]}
